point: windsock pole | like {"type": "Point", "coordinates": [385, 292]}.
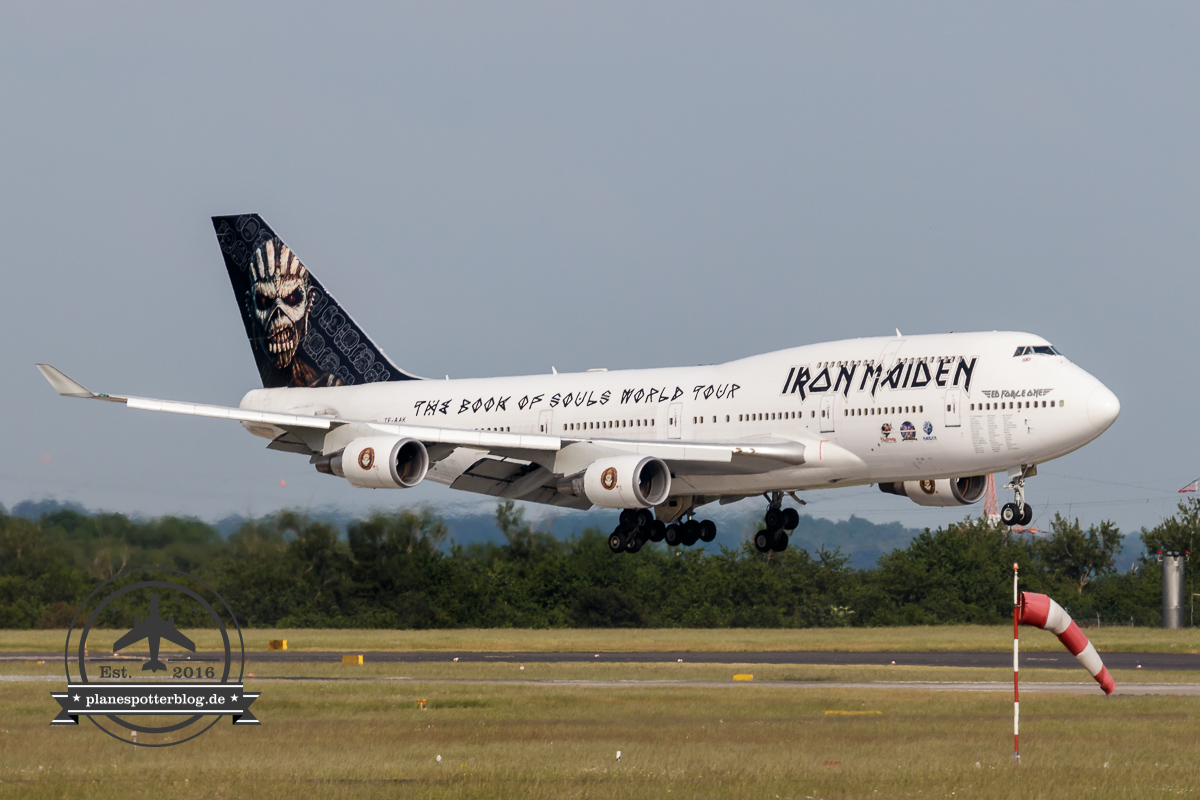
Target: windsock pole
{"type": "Point", "coordinates": [1016, 674]}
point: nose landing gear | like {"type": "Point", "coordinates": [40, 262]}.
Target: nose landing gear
{"type": "Point", "coordinates": [1018, 512]}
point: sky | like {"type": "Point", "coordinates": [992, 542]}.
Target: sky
{"type": "Point", "coordinates": [495, 189]}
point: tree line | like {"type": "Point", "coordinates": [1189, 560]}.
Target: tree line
{"type": "Point", "coordinates": [397, 570]}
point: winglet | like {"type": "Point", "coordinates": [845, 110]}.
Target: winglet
{"type": "Point", "coordinates": [64, 385]}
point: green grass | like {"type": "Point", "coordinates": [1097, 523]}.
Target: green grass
{"type": "Point", "coordinates": [930, 638]}
{"type": "Point", "coordinates": [367, 739]}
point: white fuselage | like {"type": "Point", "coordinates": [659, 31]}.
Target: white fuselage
{"type": "Point", "coordinates": [891, 408]}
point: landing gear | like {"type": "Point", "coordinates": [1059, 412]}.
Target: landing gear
{"type": "Point", "coordinates": [777, 521]}
{"type": "Point", "coordinates": [638, 526]}
{"type": "Point", "coordinates": [688, 532]}
{"type": "Point", "coordinates": [1018, 512]}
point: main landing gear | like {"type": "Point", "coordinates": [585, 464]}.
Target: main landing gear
{"type": "Point", "coordinates": [778, 521]}
{"type": "Point", "coordinates": [1018, 512]}
{"type": "Point", "coordinates": [638, 526]}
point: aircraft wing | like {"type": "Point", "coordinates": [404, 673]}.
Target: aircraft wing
{"type": "Point", "coordinates": [171, 634]}
{"type": "Point", "coordinates": [307, 434]}
{"type": "Point", "coordinates": [133, 637]}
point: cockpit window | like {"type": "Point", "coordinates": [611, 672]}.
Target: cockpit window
{"type": "Point", "coordinates": [1040, 350]}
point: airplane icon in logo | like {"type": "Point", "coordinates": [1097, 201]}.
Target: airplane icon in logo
{"type": "Point", "coordinates": [154, 628]}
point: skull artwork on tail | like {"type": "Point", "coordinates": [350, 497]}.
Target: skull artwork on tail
{"type": "Point", "coordinates": [280, 296]}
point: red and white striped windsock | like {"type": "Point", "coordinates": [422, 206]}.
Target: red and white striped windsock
{"type": "Point", "coordinates": [1040, 611]}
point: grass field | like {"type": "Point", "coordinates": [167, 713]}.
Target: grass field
{"type": "Point", "coordinates": [368, 739]}
{"type": "Point", "coordinates": [934, 638]}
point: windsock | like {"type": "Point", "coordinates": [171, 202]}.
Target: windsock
{"type": "Point", "coordinates": [1040, 611]}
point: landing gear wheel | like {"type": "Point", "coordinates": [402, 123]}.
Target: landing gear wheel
{"type": "Point", "coordinates": [629, 519]}
{"type": "Point", "coordinates": [635, 543]}
{"type": "Point", "coordinates": [616, 542]}
{"type": "Point", "coordinates": [644, 518]}
{"type": "Point", "coordinates": [781, 542]}
{"type": "Point", "coordinates": [1026, 515]}
{"type": "Point", "coordinates": [708, 530]}
{"type": "Point", "coordinates": [657, 530]}
{"type": "Point", "coordinates": [774, 518]}
{"type": "Point", "coordinates": [763, 541]}
{"type": "Point", "coordinates": [673, 535]}
{"type": "Point", "coordinates": [1009, 514]}
{"type": "Point", "coordinates": [691, 532]}
{"type": "Point", "coordinates": [791, 519]}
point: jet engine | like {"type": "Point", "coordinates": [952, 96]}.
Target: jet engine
{"type": "Point", "coordinates": [941, 492]}
{"type": "Point", "coordinates": [379, 462]}
{"type": "Point", "coordinates": [621, 482]}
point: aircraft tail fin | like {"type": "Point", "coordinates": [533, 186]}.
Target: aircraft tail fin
{"type": "Point", "coordinates": [154, 665]}
{"type": "Point", "coordinates": [299, 334]}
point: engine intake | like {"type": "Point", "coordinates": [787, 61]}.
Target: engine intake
{"type": "Point", "coordinates": [379, 462]}
{"type": "Point", "coordinates": [941, 492]}
{"type": "Point", "coordinates": [621, 482]}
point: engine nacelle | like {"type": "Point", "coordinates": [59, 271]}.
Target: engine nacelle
{"type": "Point", "coordinates": [379, 462]}
{"type": "Point", "coordinates": [941, 492]}
{"type": "Point", "coordinates": [622, 482]}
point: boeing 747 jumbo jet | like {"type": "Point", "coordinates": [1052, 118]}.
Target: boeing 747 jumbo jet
{"type": "Point", "coordinates": [923, 417]}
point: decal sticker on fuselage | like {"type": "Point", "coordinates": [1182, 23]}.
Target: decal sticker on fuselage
{"type": "Point", "coordinates": [911, 373]}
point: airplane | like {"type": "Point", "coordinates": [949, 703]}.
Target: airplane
{"type": "Point", "coordinates": [926, 417]}
{"type": "Point", "coordinates": [153, 628]}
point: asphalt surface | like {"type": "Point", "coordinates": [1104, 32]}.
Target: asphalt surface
{"type": "Point", "coordinates": [1030, 660]}
{"type": "Point", "coordinates": [1085, 688]}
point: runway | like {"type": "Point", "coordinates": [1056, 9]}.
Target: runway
{"type": "Point", "coordinates": [1082, 688]}
{"type": "Point", "coordinates": [995, 660]}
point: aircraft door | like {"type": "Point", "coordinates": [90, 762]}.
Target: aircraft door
{"type": "Point", "coordinates": [675, 421]}
{"type": "Point", "coordinates": [827, 413]}
{"type": "Point", "coordinates": [953, 408]}
{"type": "Point", "coordinates": [546, 421]}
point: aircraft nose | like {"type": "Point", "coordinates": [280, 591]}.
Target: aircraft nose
{"type": "Point", "coordinates": [1103, 407]}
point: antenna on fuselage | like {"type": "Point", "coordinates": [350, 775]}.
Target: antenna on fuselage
{"type": "Point", "coordinates": [899, 335]}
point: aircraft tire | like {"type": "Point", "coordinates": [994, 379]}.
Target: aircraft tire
{"type": "Point", "coordinates": [673, 536]}
{"type": "Point", "coordinates": [708, 530]}
{"type": "Point", "coordinates": [762, 541]}
{"type": "Point", "coordinates": [691, 532]}
{"type": "Point", "coordinates": [791, 519]}
{"type": "Point", "coordinates": [781, 542]}
{"type": "Point", "coordinates": [773, 518]}
{"type": "Point", "coordinates": [1026, 514]}
{"type": "Point", "coordinates": [658, 530]}
{"type": "Point", "coordinates": [616, 542]}
{"type": "Point", "coordinates": [629, 519]}
{"type": "Point", "coordinates": [635, 543]}
{"type": "Point", "coordinates": [1009, 514]}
